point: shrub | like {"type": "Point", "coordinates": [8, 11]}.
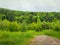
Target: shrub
{"type": "Point", "coordinates": [4, 25]}
{"type": "Point", "coordinates": [46, 25]}
{"type": "Point", "coordinates": [33, 26]}
{"type": "Point", "coordinates": [14, 26]}
{"type": "Point", "coordinates": [56, 26]}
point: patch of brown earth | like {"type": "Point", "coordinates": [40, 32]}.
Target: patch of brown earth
{"type": "Point", "coordinates": [44, 40]}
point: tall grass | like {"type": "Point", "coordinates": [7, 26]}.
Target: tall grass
{"type": "Point", "coordinates": [23, 38]}
{"type": "Point", "coordinates": [14, 38]}
{"type": "Point", "coordinates": [52, 33]}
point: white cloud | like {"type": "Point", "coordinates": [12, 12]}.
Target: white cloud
{"type": "Point", "coordinates": [31, 5]}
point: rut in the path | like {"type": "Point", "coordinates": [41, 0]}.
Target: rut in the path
{"type": "Point", "coordinates": [44, 40]}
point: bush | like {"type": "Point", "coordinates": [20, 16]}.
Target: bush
{"type": "Point", "coordinates": [46, 25]}
{"type": "Point", "coordinates": [14, 26]}
{"type": "Point", "coordinates": [32, 26]}
{"type": "Point", "coordinates": [56, 26]}
{"type": "Point", "coordinates": [4, 25]}
{"type": "Point", "coordinates": [9, 26]}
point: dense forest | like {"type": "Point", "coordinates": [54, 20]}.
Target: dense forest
{"type": "Point", "coordinates": [11, 20]}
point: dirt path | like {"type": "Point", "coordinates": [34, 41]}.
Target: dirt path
{"type": "Point", "coordinates": [44, 40]}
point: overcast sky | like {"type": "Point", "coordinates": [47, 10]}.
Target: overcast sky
{"type": "Point", "coordinates": [31, 5]}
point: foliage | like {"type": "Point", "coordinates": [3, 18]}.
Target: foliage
{"type": "Point", "coordinates": [56, 26]}
{"type": "Point", "coordinates": [23, 38]}
{"type": "Point", "coordinates": [14, 38]}
{"type": "Point", "coordinates": [18, 27]}
{"type": "Point", "coordinates": [11, 20]}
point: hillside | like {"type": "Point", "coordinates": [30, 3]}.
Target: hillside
{"type": "Point", "coordinates": [25, 20]}
{"type": "Point", "coordinates": [21, 27]}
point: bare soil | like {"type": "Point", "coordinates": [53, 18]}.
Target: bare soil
{"type": "Point", "coordinates": [44, 40]}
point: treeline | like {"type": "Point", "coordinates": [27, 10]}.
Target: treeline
{"type": "Point", "coordinates": [21, 21]}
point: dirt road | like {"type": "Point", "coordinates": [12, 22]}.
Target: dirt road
{"type": "Point", "coordinates": [44, 40]}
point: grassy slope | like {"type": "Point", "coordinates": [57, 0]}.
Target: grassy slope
{"type": "Point", "coordinates": [23, 38]}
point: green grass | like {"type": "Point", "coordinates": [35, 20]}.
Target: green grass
{"type": "Point", "coordinates": [52, 33]}
{"type": "Point", "coordinates": [23, 38]}
{"type": "Point", "coordinates": [14, 38]}
{"type": "Point", "coordinates": [55, 34]}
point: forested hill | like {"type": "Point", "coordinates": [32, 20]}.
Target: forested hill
{"type": "Point", "coordinates": [19, 20]}
{"type": "Point", "coordinates": [28, 17]}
